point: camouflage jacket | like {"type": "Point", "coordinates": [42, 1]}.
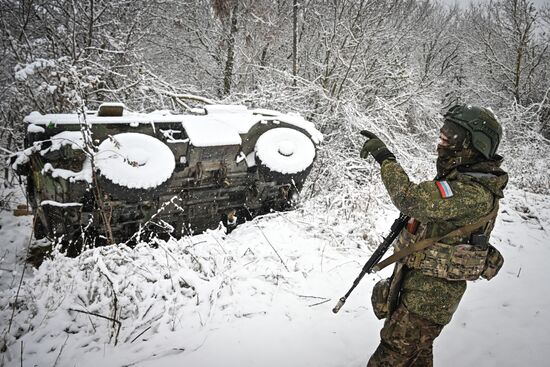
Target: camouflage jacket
{"type": "Point", "coordinates": [473, 192]}
{"type": "Point", "coordinates": [462, 197]}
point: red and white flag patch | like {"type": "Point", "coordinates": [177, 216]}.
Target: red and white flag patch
{"type": "Point", "coordinates": [444, 189]}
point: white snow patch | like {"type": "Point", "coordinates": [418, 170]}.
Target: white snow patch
{"type": "Point", "coordinates": [160, 113]}
{"type": "Point", "coordinates": [224, 109]}
{"type": "Point", "coordinates": [209, 132]}
{"type": "Point", "coordinates": [299, 121]}
{"type": "Point", "coordinates": [84, 175]}
{"type": "Point", "coordinates": [56, 203]}
{"type": "Point", "coordinates": [251, 159]}
{"type": "Point", "coordinates": [135, 160]}
{"type": "Point", "coordinates": [223, 122]}
{"type": "Point", "coordinates": [72, 138]}
{"type": "Point", "coordinates": [23, 156]}
{"type": "Point", "coordinates": [266, 112]}
{"type": "Point", "coordinates": [228, 300]}
{"type": "Point", "coordinates": [22, 73]}
{"type": "Point", "coordinates": [32, 128]}
{"type": "Point", "coordinates": [112, 104]}
{"type": "Point", "coordinates": [169, 136]}
{"type": "Point", "coordinates": [240, 157]}
{"type": "Point", "coordinates": [285, 150]}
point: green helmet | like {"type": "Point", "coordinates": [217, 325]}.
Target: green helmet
{"type": "Point", "coordinates": [482, 125]}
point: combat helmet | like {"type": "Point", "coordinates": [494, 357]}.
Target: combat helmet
{"type": "Point", "coordinates": [481, 123]}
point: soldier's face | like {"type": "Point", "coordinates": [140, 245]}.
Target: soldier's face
{"type": "Point", "coordinates": [443, 139]}
{"type": "Point", "coordinates": [451, 137]}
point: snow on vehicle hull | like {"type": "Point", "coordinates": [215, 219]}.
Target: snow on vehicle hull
{"type": "Point", "coordinates": [159, 172]}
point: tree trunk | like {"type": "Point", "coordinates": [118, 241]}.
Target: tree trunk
{"type": "Point", "coordinates": [294, 41]}
{"type": "Point", "coordinates": [228, 74]}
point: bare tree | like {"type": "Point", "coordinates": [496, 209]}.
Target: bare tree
{"type": "Point", "coordinates": [507, 47]}
{"type": "Point", "coordinates": [294, 40]}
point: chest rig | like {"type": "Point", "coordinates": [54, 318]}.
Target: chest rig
{"type": "Point", "coordinates": [458, 258]}
{"type": "Point", "coordinates": [455, 259]}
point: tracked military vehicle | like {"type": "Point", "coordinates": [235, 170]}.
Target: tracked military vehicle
{"type": "Point", "coordinates": [118, 174]}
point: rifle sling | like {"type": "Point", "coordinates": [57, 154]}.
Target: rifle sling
{"type": "Point", "coordinates": [427, 242]}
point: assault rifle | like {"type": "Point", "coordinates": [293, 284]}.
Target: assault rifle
{"type": "Point", "coordinates": [396, 227]}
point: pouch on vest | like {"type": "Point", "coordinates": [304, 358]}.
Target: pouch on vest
{"type": "Point", "coordinates": [451, 262]}
{"type": "Point", "coordinates": [493, 264]}
{"type": "Point", "coordinates": [379, 298]}
{"type": "Point", "coordinates": [386, 293]}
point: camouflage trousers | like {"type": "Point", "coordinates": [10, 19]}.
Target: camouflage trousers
{"type": "Point", "coordinates": [406, 341]}
{"type": "Point", "coordinates": [425, 304]}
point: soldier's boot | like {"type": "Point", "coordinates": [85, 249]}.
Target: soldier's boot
{"type": "Point", "coordinates": [407, 341]}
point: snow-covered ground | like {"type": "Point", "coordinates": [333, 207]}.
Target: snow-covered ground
{"type": "Point", "coordinates": [261, 296]}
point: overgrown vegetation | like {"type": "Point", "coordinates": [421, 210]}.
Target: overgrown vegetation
{"type": "Point", "coordinates": [389, 66]}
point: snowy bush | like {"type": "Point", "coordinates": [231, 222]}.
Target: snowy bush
{"type": "Point", "coordinates": [389, 67]}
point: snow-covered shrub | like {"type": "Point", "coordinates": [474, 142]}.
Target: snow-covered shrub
{"type": "Point", "coordinates": [525, 150]}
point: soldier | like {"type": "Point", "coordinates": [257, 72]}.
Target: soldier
{"type": "Point", "coordinates": [446, 241]}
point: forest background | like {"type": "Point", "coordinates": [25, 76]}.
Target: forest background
{"type": "Point", "coordinates": [391, 66]}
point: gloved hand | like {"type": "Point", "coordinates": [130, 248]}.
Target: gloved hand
{"type": "Point", "coordinates": [375, 147]}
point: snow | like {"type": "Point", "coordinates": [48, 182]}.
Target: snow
{"type": "Point", "coordinates": [22, 73]}
{"type": "Point", "coordinates": [160, 113]}
{"type": "Point", "coordinates": [217, 299]}
{"type": "Point", "coordinates": [112, 104]}
{"type": "Point", "coordinates": [135, 160]}
{"type": "Point", "coordinates": [83, 175]}
{"type": "Point", "coordinates": [75, 119]}
{"type": "Point", "coordinates": [32, 128]}
{"type": "Point", "coordinates": [23, 156]}
{"type": "Point", "coordinates": [300, 122]}
{"type": "Point", "coordinates": [251, 159]}
{"type": "Point", "coordinates": [285, 150]}
{"type": "Point", "coordinates": [241, 157]}
{"type": "Point", "coordinates": [505, 321]}
{"type": "Point", "coordinates": [72, 138]}
{"type": "Point", "coordinates": [262, 296]}
{"type": "Point", "coordinates": [225, 109]}
{"type": "Point", "coordinates": [204, 133]}
{"type": "Point", "coordinates": [169, 136]}
{"type": "Point", "coordinates": [223, 122]}
{"type": "Point", "coordinates": [55, 203]}
{"type": "Point", "coordinates": [266, 112]}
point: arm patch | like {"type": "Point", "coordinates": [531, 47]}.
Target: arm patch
{"type": "Point", "coordinates": [444, 189]}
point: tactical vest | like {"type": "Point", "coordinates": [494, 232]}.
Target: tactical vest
{"type": "Point", "coordinates": [457, 259]}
